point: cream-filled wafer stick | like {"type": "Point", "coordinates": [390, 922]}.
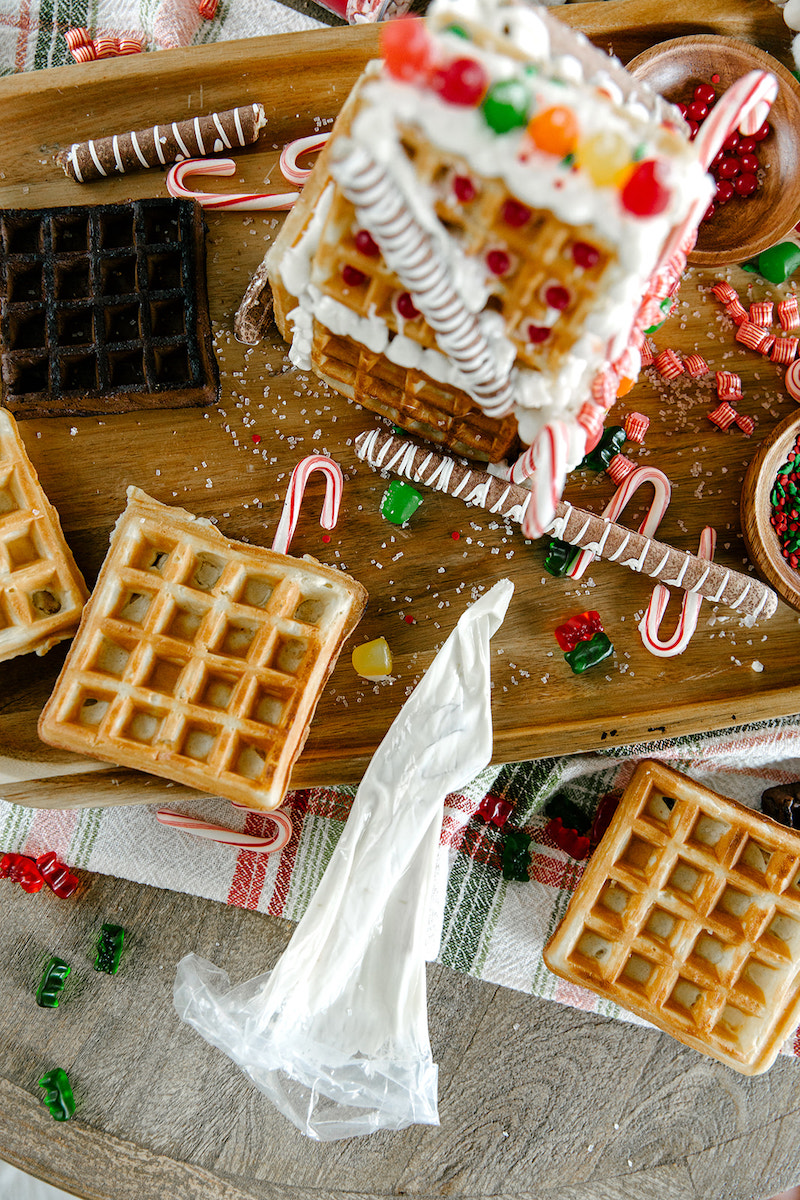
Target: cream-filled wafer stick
{"type": "Point", "coordinates": [196, 137]}
{"type": "Point", "coordinates": [603, 537]}
{"type": "Point", "coordinates": [411, 253]}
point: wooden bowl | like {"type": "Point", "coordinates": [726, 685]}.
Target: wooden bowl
{"type": "Point", "coordinates": [760, 538]}
{"type": "Point", "coordinates": [741, 228]}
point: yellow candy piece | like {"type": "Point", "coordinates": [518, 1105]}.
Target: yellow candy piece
{"type": "Point", "coordinates": [605, 157]}
{"type": "Point", "coordinates": [373, 660]}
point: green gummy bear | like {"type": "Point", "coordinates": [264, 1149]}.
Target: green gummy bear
{"type": "Point", "coordinates": [58, 1097]}
{"type": "Point", "coordinates": [610, 443]}
{"type": "Point", "coordinates": [559, 557]}
{"type": "Point", "coordinates": [516, 855]}
{"type": "Point", "coordinates": [589, 654]}
{"type": "Point", "coordinates": [109, 948]}
{"type": "Point", "coordinates": [400, 501]}
{"type": "Point", "coordinates": [52, 983]}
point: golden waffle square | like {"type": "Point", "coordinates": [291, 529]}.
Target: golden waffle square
{"type": "Point", "coordinates": [200, 658]}
{"type": "Point", "coordinates": [42, 592]}
{"type": "Point", "coordinates": [688, 914]}
{"type": "Point", "coordinates": [104, 309]}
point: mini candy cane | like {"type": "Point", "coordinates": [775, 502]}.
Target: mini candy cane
{"type": "Point", "coordinates": [237, 201]}
{"type": "Point", "coordinates": [690, 610]}
{"type": "Point", "coordinates": [662, 494]}
{"type": "Point", "coordinates": [545, 463]}
{"type": "Point", "coordinates": [294, 498]}
{"type": "Point", "coordinates": [290, 154]}
{"type": "Point", "coordinates": [229, 837]}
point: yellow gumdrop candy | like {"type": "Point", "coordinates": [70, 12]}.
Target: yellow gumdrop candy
{"type": "Point", "coordinates": [373, 659]}
{"type": "Point", "coordinates": [605, 157]}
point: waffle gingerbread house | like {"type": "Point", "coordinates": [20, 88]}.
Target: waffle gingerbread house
{"type": "Point", "coordinates": [496, 219]}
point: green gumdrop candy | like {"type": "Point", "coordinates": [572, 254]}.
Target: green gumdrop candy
{"type": "Point", "coordinates": [779, 262]}
{"type": "Point", "coordinates": [505, 106]}
{"type": "Point", "coordinates": [400, 501]}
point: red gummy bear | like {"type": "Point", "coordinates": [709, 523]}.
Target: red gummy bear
{"type": "Point", "coordinates": [22, 870]}
{"type": "Point", "coordinates": [58, 877]}
{"type": "Point", "coordinates": [569, 840]}
{"type": "Point", "coordinates": [602, 818]}
{"type": "Point", "coordinates": [495, 810]}
{"type": "Point", "coordinates": [578, 629]}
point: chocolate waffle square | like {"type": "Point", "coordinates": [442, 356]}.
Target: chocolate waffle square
{"type": "Point", "coordinates": [688, 914]}
{"type": "Point", "coordinates": [104, 309]}
{"type": "Point", "coordinates": [199, 658]}
{"type": "Point", "coordinates": [42, 592]}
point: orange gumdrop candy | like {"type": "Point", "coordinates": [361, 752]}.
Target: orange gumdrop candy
{"type": "Point", "coordinates": [555, 130]}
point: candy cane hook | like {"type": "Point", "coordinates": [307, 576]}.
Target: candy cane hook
{"type": "Point", "coordinates": [294, 498]}
{"type": "Point", "coordinates": [290, 154]}
{"type": "Point", "coordinates": [662, 494]}
{"type": "Point", "coordinates": [229, 837]}
{"type": "Point", "coordinates": [237, 201]}
{"type": "Point", "coordinates": [690, 610]}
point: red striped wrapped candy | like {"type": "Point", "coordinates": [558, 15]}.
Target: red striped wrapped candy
{"type": "Point", "coordinates": [745, 423]}
{"type": "Point", "coordinates": [635, 425]}
{"type": "Point", "coordinates": [761, 313]}
{"type": "Point", "coordinates": [620, 467]}
{"type": "Point", "coordinates": [724, 291]}
{"type": "Point", "coordinates": [722, 416]}
{"type": "Point", "coordinates": [696, 365]}
{"type": "Point", "coordinates": [736, 311]}
{"type": "Point", "coordinates": [788, 313]}
{"type": "Point", "coordinates": [729, 385]}
{"type": "Point", "coordinates": [784, 350]}
{"type": "Point", "coordinates": [668, 365]}
{"type": "Point", "coordinates": [752, 336]}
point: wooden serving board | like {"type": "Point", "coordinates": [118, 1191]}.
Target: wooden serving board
{"type": "Point", "coordinates": [419, 578]}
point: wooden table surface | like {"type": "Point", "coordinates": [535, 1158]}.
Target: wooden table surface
{"type": "Point", "coordinates": [536, 1099]}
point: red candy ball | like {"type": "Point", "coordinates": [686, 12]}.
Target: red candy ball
{"type": "Point", "coordinates": [366, 243]}
{"type": "Point", "coordinates": [697, 111]}
{"type": "Point", "coordinates": [462, 81]}
{"type": "Point", "coordinates": [515, 214]}
{"type": "Point", "coordinates": [464, 188]}
{"type": "Point", "coordinates": [408, 50]}
{"type": "Point", "coordinates": [705, 93]}
{"type": "Point", "coordinates": [556, 296]}
{"type": "Point", "coordinates": [645, 193]}
{"type": "Point", "coordinates": [538, 334]}
{"type": "Point", "coordinates": [724, 191]}
{"type": "Point", "coordinates": [729, 167]}
{"type": "Point", "coordinates": [745, 185]}
{"type": "Point", "coordinates": [498, 262]}
{"type": "Point", "coordinates": [352, 276]}
{"type": "Point", "coordinates": [708, 214]}
{"type": "Point", "coordinates": [761, 132]}
{"type": "Point", "coordinates": [731, 141]}
{"type": "Point", "coordinates": [746, 146]}
{"type": "Point", "coordinates": [749, 163]}
{"type": "Point", "coordinates": [694, 128]}
{"type": "Point", "coordinates": [406, 307]}
{"type": "Point", "coordinates": [585, 255]}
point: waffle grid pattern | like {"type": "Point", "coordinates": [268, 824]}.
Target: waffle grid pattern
{"type": "Point", "coordinates": [41, 590]}
{"type": "Point", "coordinates": [199, 659]}
{"type": "Point", "coordinates": [689, 915]}
{"type": "Point", "coordinates": [103, 309]}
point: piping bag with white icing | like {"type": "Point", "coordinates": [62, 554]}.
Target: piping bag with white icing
{"type": "Point", "coordinates": [336, 1035]}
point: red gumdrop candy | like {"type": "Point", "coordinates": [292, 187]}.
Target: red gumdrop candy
{"type": "Point", "coordinates": [645, 194]}
{"type": "Point", "coordinates": [366, 243]}
{"type": "Point", "coordinates": [464, 188]}
{"type": "Point", "coordinates": [515, 214]}
{"type": "Point", "coordinates": [462, 81]}
{"type": "Point", "coordinates": [352, 276]}
{"type": "Point", "coordinates": [406, 307]}
{"type": "Point", "coordinates": [745, 185]}
{"type": "Point", "coordinates": [585, 255]}
{"type": "Point", "coordinates": [408, 49]}
{"type": "Point", "coordinates": [59, 878]}
{"type": "Point", "coordinates": [22, 870]}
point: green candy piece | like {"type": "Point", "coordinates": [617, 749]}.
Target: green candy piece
{"type": "Point", "coordinates": [58, 1097]}
{"type": "Point", "coordinates": [665, 306]}
{"type": "Point", "coordinates": [400, 502]}
{"type": "Point", "coordinates": [559, 557]}
{"type": "Point", "coordinates": [610, 443]}
{"type": "Point", "coordinates": [53, 980]}
{"type": "Point", "coordinates": [109, 948]}
{"type": "Point", "coordinates": [457, 31]}
{"type": "Point", "coordinates": [505, 106]}
{"type": "Point", "coordinates": [589, 654]}
{"type": "Point", "coordinates": [780, 262]}
{"type": "Point", "coordinates": [516, 855]}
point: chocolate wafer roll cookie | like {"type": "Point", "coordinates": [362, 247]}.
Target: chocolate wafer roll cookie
{"type": "Point", "coordinates": [196, 137]}
{"type": "Point", "coordinates": [603, 537]}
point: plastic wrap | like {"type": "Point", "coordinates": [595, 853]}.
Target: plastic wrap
{"type": "Point", "coordinates": [337, 1034]}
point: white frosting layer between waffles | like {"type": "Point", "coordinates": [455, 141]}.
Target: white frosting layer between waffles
{"type": "Point", "coordinates": [537, 180]}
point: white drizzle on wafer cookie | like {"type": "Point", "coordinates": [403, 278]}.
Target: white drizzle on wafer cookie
{"type": "Point", "coordinates": [121, 153]}
{"type": "Point", "coordinates": [573, 525]}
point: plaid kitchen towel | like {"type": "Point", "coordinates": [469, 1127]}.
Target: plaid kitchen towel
{"type": "Point", "coordinates": [493, 929]}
